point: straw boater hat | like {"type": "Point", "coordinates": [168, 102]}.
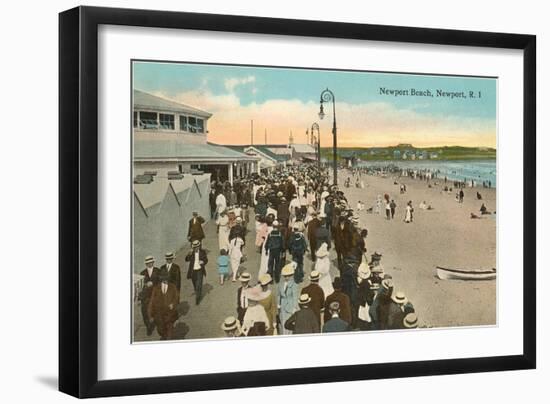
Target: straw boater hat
{"type": "Point", "coordinates": [399, 297]}
{"type": "Point", "coordinates": [195, 243]}
{"type": "Point", "coordinates": [279, 194]}
{"type": "Point", "coordinates": [275, 223]}
{"type": "Point", "coordinates": [314, 275]}
{"type": "Point", "coordinates": [245, 277]}
{"type": "Point", "coordinates": [230, 324]}
{"type": "Point", "coordinates": [304, 299]}
{"type": "Point", "coordinates": [288, 270]}
{"type": "Point", "coordinates": [169, 256]}
{"type": "Point", "coordinates": [265, 279]}
{"type": "Point", "coordinates": [387, 284]}
{"type": "Point", "coordinates": [322, 251]}
{"type": "Point", "coordinates": [363, 271]}
{"type": "Point", "coordinates": [149, 259]}
{"type": "Point", "coordinates": [239, 219]}
{"type": "Point", "coordinates": [410, 321]}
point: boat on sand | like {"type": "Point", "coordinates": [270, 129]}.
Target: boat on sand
{"type": "Point", "coordinates": [466, 275]}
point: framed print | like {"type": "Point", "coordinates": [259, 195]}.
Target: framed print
{"type": "Point", "coordinates": [275, 200]}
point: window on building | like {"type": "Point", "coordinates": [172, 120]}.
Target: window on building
{"type": "Point", "coordinates": [183, 123]}
{"type": "Point", "coordinates": [135, 119]}
{"type": "Point", "coordinates": [195, 125]}
{"type": "Point", "coordinates": [166, 121]}
{"type": "Point", "coordinates": [148, 120]}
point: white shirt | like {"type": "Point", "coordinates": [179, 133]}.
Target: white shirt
{"type": "Point", "coordinates": [150, 271]}
{"type": "Point", "coordinates": [197, 263]}
{"type": "Point", "coordinates": [164, 287]}
{"type": "Point", "coordinates": [244, 299]}
{"type": "Point", "coordinates": [168, 266]}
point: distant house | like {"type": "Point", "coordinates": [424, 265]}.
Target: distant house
{"type": "Point", "coordinates": [397, 154]}
{"type": "Point", "coordinates": [433, 155]}
{"type": "Point", "coordinates": [404, 155]}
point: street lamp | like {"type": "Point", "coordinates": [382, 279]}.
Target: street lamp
{"type": "Point", "coordinates": [328, 96]}
{"type": "Point", "coordinates": [315, 126]}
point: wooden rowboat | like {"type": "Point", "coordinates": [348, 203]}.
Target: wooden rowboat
{"type": "Point", "coordinates": [466, 275]}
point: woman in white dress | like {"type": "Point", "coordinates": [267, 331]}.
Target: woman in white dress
{"type": "Point", "coordinates": [322, 265]}
{"type": "Point", "coordinates": [265, 254]}
{"type": "Point", "coordinates": [223, 230]}
{"type": "Point", "coordinates": [235, 255]}
{"type": "Point", "coordinates": [408, 213]}
{"type": "Point", "coordinates": [324, 195]}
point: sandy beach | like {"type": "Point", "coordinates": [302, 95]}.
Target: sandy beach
{"type": "Point", "coordinates": [445, 236]}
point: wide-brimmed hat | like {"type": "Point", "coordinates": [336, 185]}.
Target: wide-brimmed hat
{"type": "Point", "coordinates": [322, 251]}
{"type": "Point", "coordinates": [304, 299]}
{"type": "Point", "coordinates": [387, 284]}
{"type": "Point", "coordinates": [149, 259]}
{"type": "Point", "coordinates": [410, 321]}
{"type": "Point", "coordinates": [399, 297]}
{"type": "Point", "coordinates": [169, 256]}
{"type": "Point", "coordinates": [195, 243]}
{"type": "Point", "coordinates": [230, 324]}
{"type": "Point", "coordinates": [363, 271]}
{"type": "Point", "coordinates": [314, 275]}
{"type": "Point", "coordinates": [288, 270]}
{"type": "Point", "coordinates": [245, 277]}
{"type": "Point", "coordinates": [265, 279]}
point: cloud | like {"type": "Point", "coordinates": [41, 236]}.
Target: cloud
{"type": "Point", "coordinates": [366, 124]}
{"type": "Point", "coordinates": [233, 82]}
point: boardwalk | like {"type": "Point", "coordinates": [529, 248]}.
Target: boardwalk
{"type": "Point", "coordinates": [204, 320]}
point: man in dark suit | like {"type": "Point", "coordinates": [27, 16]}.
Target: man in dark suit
{"type": "Point", "coordinates": [316, 294]}
{"type": "Point", "coordinates": [304, 320]}
{"type": "Point", "coordinates": [195, 231]}
{"type": "Point", "coordinates": [342, 299]}
{"type": "Point", "coordinates": [197, 268]}
{"type": "Point", "coordinates": [172, 271]}
{"type": "Point", "coordinates": [342, 240]}
{"type": "Point", "coordinates": [150, 279]}
{"type": "Point", "coordinates": [335, 324]}
{"type": "Point", "coordinates": [162, 307]}
{"type": "Point", "coordinates": [322, 235]}
{"type": "Point", "coordinates": [312, 227]}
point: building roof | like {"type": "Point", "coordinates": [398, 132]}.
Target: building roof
{"type": "Point", "coordinates": [143, 100]}
{"type": "Point", "coordinates": [303, 148]}
{"type": "Point", "coordinates": [169, 150]}
{"type": "Point", "coordinates": [265, 149]}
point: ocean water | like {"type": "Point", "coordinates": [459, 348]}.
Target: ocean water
{"type": "Point", "coordinates": [477, 170]}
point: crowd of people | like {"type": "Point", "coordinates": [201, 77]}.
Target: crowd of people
{"type": "Point", "coordinates": [288, 214]}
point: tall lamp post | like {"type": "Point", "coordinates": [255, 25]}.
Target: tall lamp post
{"type": "Point", "coordinates": [328, 96]}
{"type": "Point", "coordinates": [315, 126]}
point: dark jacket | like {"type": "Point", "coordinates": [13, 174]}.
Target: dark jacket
{"type": "Point", "coordinates": [174, 275]}
{"type": "Point", "coordinates": [303, 322]}
{"type": "Point", "coordinates": [317, 296]}
{"type": "Point", "coordinates": [191, 259]}
{"type": "Point", "coordinates": [195, 231]}
{"type": "Point", "coordinates": [336, 324]}
{"type": "Point", "coordinates": [274, 241]}
{"type": "Point", "coordinates": [345, 307]}
{"type": "Point", "coordinates": [322, 236]}
{"type": "Point", "coordinates": [145, 293]}
{"type": "Point", "coordinates": [342, 237]}
{"type": "Point", "coordinates": [297, 244]}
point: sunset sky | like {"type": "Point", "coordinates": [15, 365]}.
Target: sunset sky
{"type": "Point", "coordinates": [281, 100]}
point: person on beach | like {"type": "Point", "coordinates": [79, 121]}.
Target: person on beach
{"type": "Point", "coordinates": [268, 301]}
{"type": "Point", "coordinates": [409, 212]}
{"type": "Point", "coordinates": [341, 298]}
{"type": "Point", "coordinates": [255, 313]}
{"type": "Point", "coordinates": [274, 246]}
{"type": "Point", "coordinates": [231, 327]}
{"type": "Point", "coordinates": [173, 271]}
{"type": "Point", "coordinates": [242, 299]}
{"type": "Point", "coordinates": [388, 209]}
{"type": "Point", "coordinates": [322, 265]}
{"type": "Point", "coordinates": [335, 324]}
{"type": "Point", "coordinates": [195, 230]}
{"type": "Point", "coordinates": [162, 307]}
{"type": "Point", "coordinates": [151, 278]}
{"type": "Point", "coordinates": [461, 196]}
{"type": "Point", "coordinates": [297, 247]}
{"type": "Point", "coordinates": [315, 292]}
{"type": "Point", "coordinates": [393, 205]}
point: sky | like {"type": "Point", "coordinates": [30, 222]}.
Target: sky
{"type": "Point", "coordinates": [285, 100]}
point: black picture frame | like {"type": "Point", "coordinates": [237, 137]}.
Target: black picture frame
{"type": "Point", "coordinates": [78, 200]}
